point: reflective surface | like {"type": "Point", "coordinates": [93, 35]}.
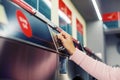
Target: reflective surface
{"type": "Point", "coordinates": [20, 61]}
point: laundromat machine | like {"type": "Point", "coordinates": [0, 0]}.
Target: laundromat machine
{"type": "Point", "coordinates": [29, 48]}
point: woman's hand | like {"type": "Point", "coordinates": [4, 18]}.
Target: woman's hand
{"type": "Point", "coordinates": [67, 42]}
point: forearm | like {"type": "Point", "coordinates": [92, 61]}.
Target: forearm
{"type": "Point", "coordinates": [97, 69]}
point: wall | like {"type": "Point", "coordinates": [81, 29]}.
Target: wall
{"type": "Point", "coordinates": [75, 14]}
{"type": "Point", "coordinates": [112, 55]}
{"type": "Point", "coordinates": [95, 37]}
{"type": "Point", "coordinates": [80, 18]}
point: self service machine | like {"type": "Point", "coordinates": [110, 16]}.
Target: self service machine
{"type": "Point", "coordinates": [29, 48]}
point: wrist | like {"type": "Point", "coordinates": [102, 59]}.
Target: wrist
{"type": "Point", "coordinates": [72, 51]}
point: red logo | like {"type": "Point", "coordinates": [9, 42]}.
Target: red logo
{"type": "Point", "coordinates": [24, 24]}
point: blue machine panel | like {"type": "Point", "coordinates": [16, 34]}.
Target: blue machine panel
{"type": "Point", "coordinates": [25, 27]}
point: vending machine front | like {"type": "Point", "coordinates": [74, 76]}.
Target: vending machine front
{"type": "Point", "coordinates": [27, 47]}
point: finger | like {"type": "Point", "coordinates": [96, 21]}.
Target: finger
{"type": "Point", "coordinates": [60, 37]}
{"type": "Point", "coordinates": [65, 34]}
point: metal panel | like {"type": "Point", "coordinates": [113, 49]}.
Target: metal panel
{"type": "Point", "coordinates": [19, 61]}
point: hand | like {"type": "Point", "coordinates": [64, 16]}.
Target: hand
{"type": "Point", "coordinates": [67, 42]}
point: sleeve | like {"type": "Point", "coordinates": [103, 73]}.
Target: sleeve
{"type": "Point", "coordinates": [95, 68]}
